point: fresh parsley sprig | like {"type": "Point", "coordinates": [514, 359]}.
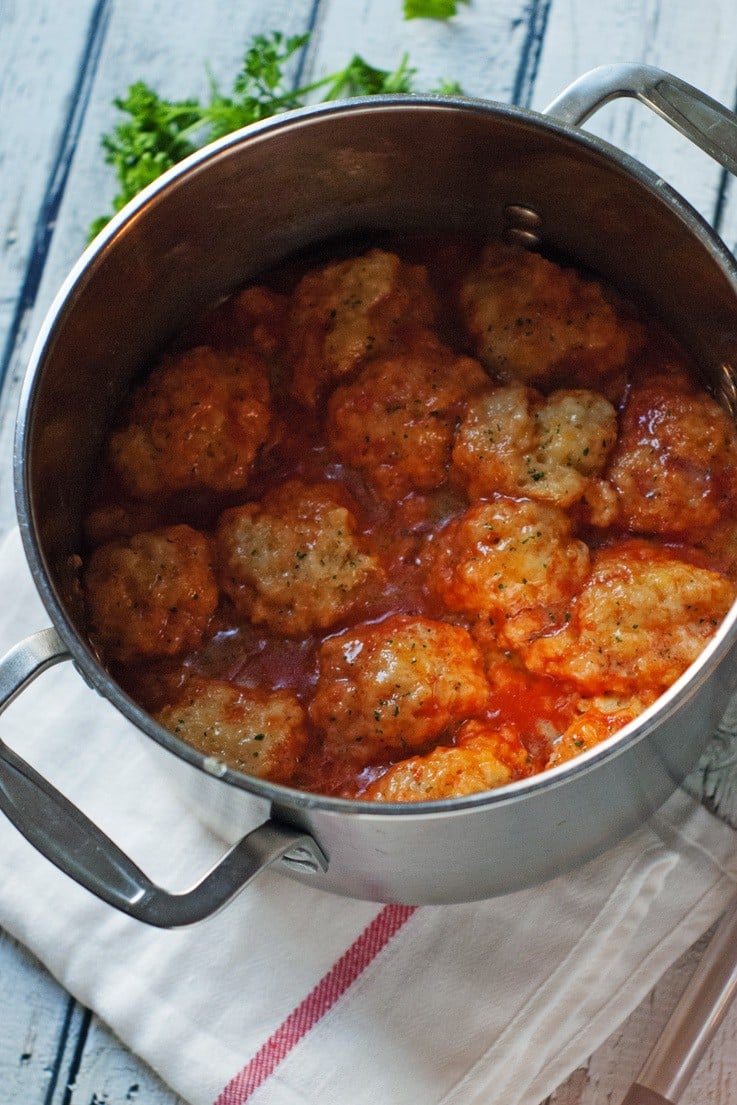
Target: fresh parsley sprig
{"type": "Point", "coordinates": [259, 89]}
{"type": "Point", "coordinates": [431, 9]}
{"type": "Point", "coordinates": [158, 133]}
{"type": "Point", "coordinates": [153, 138]}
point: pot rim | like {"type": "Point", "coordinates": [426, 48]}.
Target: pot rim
{"type": "Point", "coordinates": [86, 662]}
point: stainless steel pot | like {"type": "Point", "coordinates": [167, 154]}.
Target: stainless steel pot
{"type": "Point", "coordinates": [213, 223]}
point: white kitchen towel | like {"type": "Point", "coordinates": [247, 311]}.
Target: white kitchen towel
{"type": "Point", "coordinates": [291, 995]}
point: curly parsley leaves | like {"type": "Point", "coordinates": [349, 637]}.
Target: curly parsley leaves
{"type": "Point", "coordinates": [158, 133]}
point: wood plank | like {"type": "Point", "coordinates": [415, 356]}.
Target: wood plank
{"type": "Point", "coordinates": [106, 1073]}
{"type": "Point", "coordinates": [71, 1044]}
{"type": "Point", "coordinates": [35, 1015]}
{"type": "Point", "coordinates": [37, 135]}
{"type": "Point", "coordinates": [484, 47]}
{"type": "Point", "coordinates": [581, 36]}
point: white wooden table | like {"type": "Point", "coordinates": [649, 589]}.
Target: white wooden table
{"type": "Point", "coordinates": [61, 64]}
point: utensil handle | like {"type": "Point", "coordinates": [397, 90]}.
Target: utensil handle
{"type": "Point", "coordinates": [697, 1016]}
{"type": "Point", "coordinates": [74, 844]}
{"type": "Point", "coordinates": [708, 124]}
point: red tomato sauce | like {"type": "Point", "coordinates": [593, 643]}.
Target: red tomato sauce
{"type": "Point", "coordinates": [535, 705]}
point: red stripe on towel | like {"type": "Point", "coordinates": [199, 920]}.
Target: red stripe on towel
{"type": "Point", "coordinates": [331, 986]}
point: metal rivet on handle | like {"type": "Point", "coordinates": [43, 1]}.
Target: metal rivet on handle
{"type": "Point", "coordinates": [524, 238]}
{"type": "Point", "coordinates": [523, 217]}
{"type": "Point", "coordinates": [522, 225]}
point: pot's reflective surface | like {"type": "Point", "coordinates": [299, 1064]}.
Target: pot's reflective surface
{"type": "Point", "coordinates": [239, 207]}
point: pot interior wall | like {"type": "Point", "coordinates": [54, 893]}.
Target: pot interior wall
{"type": "Point", "coordinates": [402, 166]}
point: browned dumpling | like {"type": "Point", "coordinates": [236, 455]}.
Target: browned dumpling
{"type": "Point", "coordinates": [396, 421]}
{"type": "Point", "coordinates": [511, 562]}
{"type": "Point", "coordinates": [196, 422]}
{"type": "Point", "coordinates": [675, 467]}
{"type": "Point", "coordinates": [293, 561]}
{"type": "Point", "coordinates": [598, 719]}
{"type": "Point", "coordinates": [112, 521]}
{"type": "Point", "coordinates": [152, 595]}
{"type": "Point", "coordinates": [514, 441]}
{"type": "Point", "coordinates": [348, 311]}
{"type": "Point", "coordinates": [261, 733]}
{"type": "Point", "coordinates": [534, 321]}
{"type": "Point", "coordinates": [443, 773]}
{"type": "Point", "coordinates": [485, 756]}
{"type": "Point", "coordinates": [388, 688]}
{"type": "Point", "coordinates": [254, 318]}
{"type": "Point", "coordinates": [641, 618]}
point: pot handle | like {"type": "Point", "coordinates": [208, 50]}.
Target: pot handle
{"type": "Point", "coordinates": [708, 124]}
{"type": "Point", "coordinates": [74, 844]}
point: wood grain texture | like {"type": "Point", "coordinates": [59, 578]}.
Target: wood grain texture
{"type": "Point", "coordinates": [40, 87]}
{"type": "Point", "coordinates": [693, 41]}
{"type": "Point", "coordinates": [34, 1012]}
{"type": "Point", "coordinates": [103, 1072]}
{"type": "Point", "coordinates": [48, 57]}
{"type": "Point", "coordinates": [52, 1052]}
{"type": "Point", "coordinates": [483, 48]}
